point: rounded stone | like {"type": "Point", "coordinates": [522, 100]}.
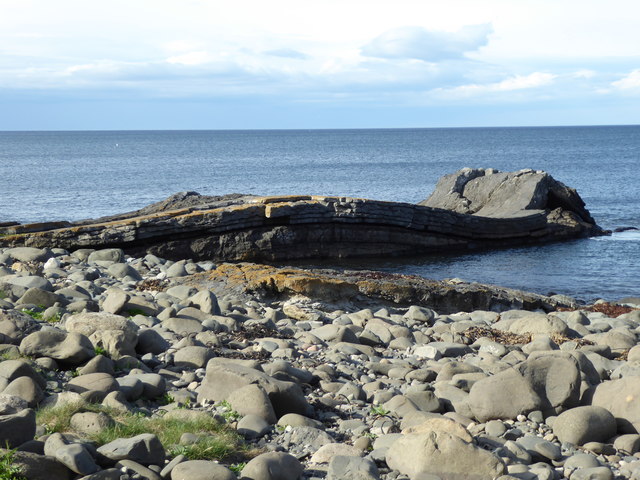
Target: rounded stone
{"type": "Point", "coordinates": [581, 425]}
{"type": "Point", "coordinates": [201, 470]}
{"type": "Point", "coordinates": [272, 466]}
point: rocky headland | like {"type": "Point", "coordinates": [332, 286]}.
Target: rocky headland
{"type": "Point", "coordinates": [471, 209]}
{"type": "Point", "coordinates": [123, 366]}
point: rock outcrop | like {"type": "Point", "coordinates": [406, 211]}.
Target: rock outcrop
{"type": "Point", "coordinates": [470, 209]}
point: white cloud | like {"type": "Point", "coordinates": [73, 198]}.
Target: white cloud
{"type": "Point", "coordinates": [629, 82]}
{"type": "Point", "coordinates": [513, 83]}
{"type": "Point", "coordinates": [433, 46]}
{"type": "Point", "coordinates": [191, 58]}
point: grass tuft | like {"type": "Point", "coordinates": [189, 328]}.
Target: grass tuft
{"type": "Point", "coordinates": [217, 441]}
{"type": "Point", "coordinates": [8, 469]}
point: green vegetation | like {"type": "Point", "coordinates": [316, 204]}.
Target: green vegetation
{"type": "Point", "coordinates": [228, 413]}
{"type": "Point", "coordinates": [38, 314]}
{"type": "Point", "coordinates": [379, 411]}
{"type": "Point", "coordinates": [132, 312]}
{"type": "Point", "coordinates": [3, 295]}
{"type": "Point", "coordinates": [33, 313]}
{"type": "Point", "coordinates": [237, 467]}
{"type": "Point", "coordinates": [100, 351]}
{"type": "Point", "coordinates": [8, 469]}
{"type": "Point", "coordinates": [217, 441]}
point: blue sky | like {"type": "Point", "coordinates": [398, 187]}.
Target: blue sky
{"type": "Point", "coordinates": [192, 64]}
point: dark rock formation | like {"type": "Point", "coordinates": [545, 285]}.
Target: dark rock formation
{"type": "Point", "coordinates": [470, 209]}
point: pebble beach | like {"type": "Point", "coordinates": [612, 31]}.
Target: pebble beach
{"type": "Point", "coordinates": [298, 388]}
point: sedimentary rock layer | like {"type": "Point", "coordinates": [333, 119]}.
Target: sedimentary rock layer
{"type": "Point", "coordinates": [243, 228]}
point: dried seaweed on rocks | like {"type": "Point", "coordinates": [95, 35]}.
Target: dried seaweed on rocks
{"type": "Point", "coordinates": [505, 338]}
{"type": "Point", "coordinates": [257, 331]}
{"type": "Point", "coordinates": [611, 310]}
{"type": "Point", "coordinates": [508, 338]}
{"type": "Point", "coordinates": [152, 284]}
{"type": "Point", "coordinates": [244, 355]}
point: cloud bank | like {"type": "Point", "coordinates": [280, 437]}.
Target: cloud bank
{"type": "Point", "coordinates": [432, 46]}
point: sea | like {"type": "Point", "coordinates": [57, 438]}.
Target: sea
{"type": "Point", "coordinates": [86, 174]}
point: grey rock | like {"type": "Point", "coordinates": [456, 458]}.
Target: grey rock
{"type": "Point", "coordinates": [221, 380]}
{"type": "Point", "coordinates": [93, 386]}
{"type": "Point", "coordinates": [442, 454]}
{"type": "Point", "coordinates": [39, 297]}
{"type": "Point", "coordinates": [581, 460]}
{"type": "Point", "coordinates": [116, 334]}
{"type": "Point", "coordinates": [91, 423]}
{"type": "Point", "coordinates": [115, 300]}
{"type": "Point", "coordinates": [150, 341]}
{"type": "Point", "coordinates": [594, 473]}
{"type": "Point", "coordinates": [15, 325]}
{"type": "Point", "coordinates": [29, 254]}
{"type": "Point", "coordinates": [115, 255]}
{"type": "Point", "coordinates": [145, 449]}
{"type": "Point", "coordinates": [352, 468]}
{"type": "Point", "coordinates": [193, 357]}
{"type": "Point", "coordinates": [252, 426]}
{"type": "Point", "coordinates": [154, 385]}
{"type": "Point", "coordinates": [76, 458]}
{"type": "Point", "coordinates": [272, 466]}
{"type": "Point", "coordinates": [66, 348]}
{"type": "Point", "coordinates": [27, 389]}
{"type": "Point", "coordinates": [201, 470]}
{"type": "Point", "coordinates": [252, 400]}
{"type": "Point", "coordinates": [108, 474]}
{"type": "Point", "coordinates": [28, 281]}
{"type": "Point", "coordinates": [504, 395]}
{"type": "Point", "coordinates": [39, 467]}
{"type": "Point", "coordinates": [585, 424]}
{"type": "Point", "coordinates": [615, 395]}
{"type": "Point", "coordinates": [140, 471]}
{"type": "Point", "coordinates": [206, 301]}
{"type": "Point", "coordinates": [17, 428]}
{"type": "Point", "coordinates": [122, 270]}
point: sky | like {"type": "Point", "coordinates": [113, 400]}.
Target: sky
{"type": "Point", "coordinates": [255, 64]}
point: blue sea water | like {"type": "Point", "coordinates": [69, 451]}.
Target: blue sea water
{"type": "Point", "coordinates": [75, 175]}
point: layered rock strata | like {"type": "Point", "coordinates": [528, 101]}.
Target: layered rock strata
{"type": "Point", "coordinates": [501, 210]}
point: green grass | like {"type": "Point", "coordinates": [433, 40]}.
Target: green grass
{"type": "Point", "coordinates": [379, 410]}
{"type": "Point", "coordinates": [8, 469]}
{"type": "Point", "coordinates": [3, 295]}
{"type": "Point", "coordinates": [229, 414]}
{"type": "Point", "coordinates": [33, 313]}
{"type": "Point", "coordinates": [100, 351]}
{"type": "Point", "coordinates": [217, 442]}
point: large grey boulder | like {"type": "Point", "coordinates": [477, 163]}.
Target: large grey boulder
{"type": "Point", "coordinates": [272, 466]}
{"type": "Point", "coordinates": [504, 395]}
{"type": "Point", "coordinates": [17, 428]}
{"type": "Point", "coordinates": [491, 193]}
{"type": "Point", "coordinates": [223, 379]}
{"type": "Point", "coordinates": [442, 454]}
{"type": "Point", "coordinates": [201, 470]}
{"type": "Point", "coordinates": [115, 333]}
{"type": "Point", "coordinates": [29, 254]}
{"type": "Point", "coordinates": [620, 397]}
{"type": "Point", "coordinates": [15, 325]}
{"type": "Point", "coordinates": [581, 425]}
{"type": "Point", "coordinates": [40, 467]}
{"type": "Point", "coordinates": [344, 467]}
{"type": "Point", "coordinates": [144, 448]}
{"type": "Point", "coordinates": [67, 348]}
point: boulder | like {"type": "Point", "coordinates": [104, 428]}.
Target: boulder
{"type": "Point", "coordinates": [67, 348]}
{"type": "Point", "coordinates": [17, 428]}
{"type": "Point", "coordinates": [581, 425]}
{"type": "Point", "coordinates": [272, 466]}
{"type": "Point", "coordinates": [223, 379]}
{"type": "Point", "coordinates": [621, 398]}
{"type": "Point", "coordinates": [115, 333]}
{"type": "Point", "coordinates": [504, 395]}
{"type": "Point", "coordinates": [444, 455]}
{"type": "Point", "coordinates": [201, 470]}
{"type": "Point", "coordinates": [144, 448]}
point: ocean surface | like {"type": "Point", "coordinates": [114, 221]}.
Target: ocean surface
{"type": "Point", "coordinates": [76, 175]}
